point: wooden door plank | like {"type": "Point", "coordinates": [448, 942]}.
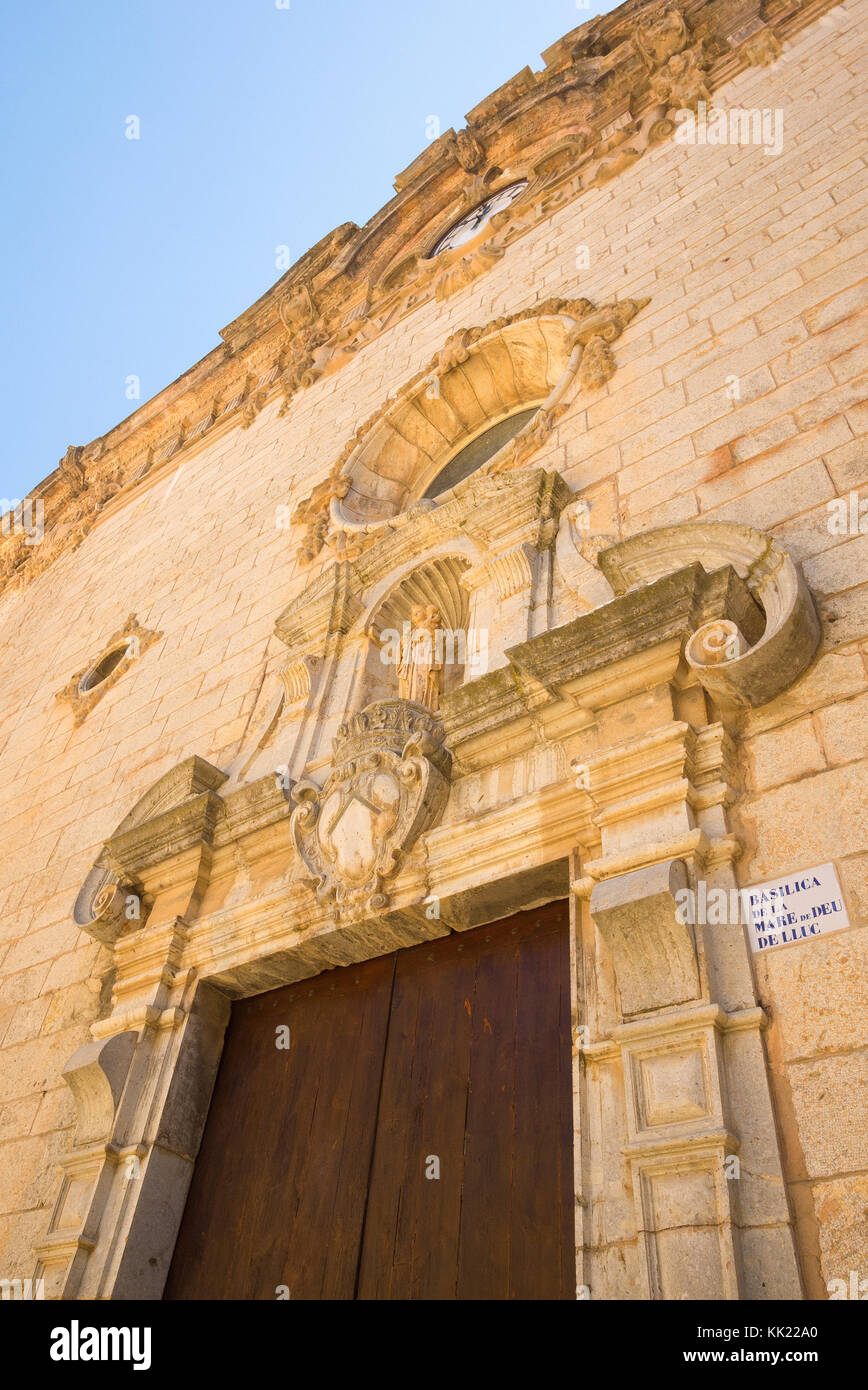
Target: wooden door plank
{"type": "Point", "coordinates": [489, 1142]}
{"type": "Point", "coordinates": [478, 1031]}
{"type": "Point", "coordinates": [542, 1211]}
{"type": "Point", "coordinates": [433, 1205]}
{"type": "Point", "coordinates": [411, 1229]}
{"type": "Point", "coordinates": [278, 1192]}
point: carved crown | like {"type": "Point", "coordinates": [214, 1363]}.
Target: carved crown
{"type": "Point", "coordinates": [399, 726]}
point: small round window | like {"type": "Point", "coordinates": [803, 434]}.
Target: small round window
{"type": "Point", "coordinates": [478, 452]}
{"type": "Point", "coordinates": [103, 669]}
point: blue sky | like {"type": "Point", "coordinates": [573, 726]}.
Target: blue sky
{"type": "Point", "coordinates": [259, 127]}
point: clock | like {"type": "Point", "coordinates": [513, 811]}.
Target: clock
{"type": "Point", "coordinates": [466, 227]}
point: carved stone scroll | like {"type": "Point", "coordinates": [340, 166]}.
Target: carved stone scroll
{"type": "Point", "coordinates": [733, 671]}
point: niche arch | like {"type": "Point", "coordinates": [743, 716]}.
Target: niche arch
{"type": "Point", "coordinates": [434, 583]}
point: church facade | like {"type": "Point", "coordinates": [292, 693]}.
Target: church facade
{"type": "Point", "coordinates": [433, 728]}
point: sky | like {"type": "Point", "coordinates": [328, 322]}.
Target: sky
{"type": "Point", "coordinates": [262, 124]}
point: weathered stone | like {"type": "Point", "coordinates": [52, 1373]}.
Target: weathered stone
{"type": "Point", "coordinates": [793, 832]}
{"type": "Point", "coordinates": [838, 1085]}
{"type": "Point", "coordinates": [842, 1218]}
{"type": "Point", "coordinates": [820, 995]}
{"type": "Point", "coordinates": [655, 955]}
{"type": "Point", "coordinates": [783, 755]}
{"type": "Point", "coordinates": [650, 681]}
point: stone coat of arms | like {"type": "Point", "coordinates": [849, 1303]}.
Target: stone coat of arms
{"type": "Point", "coordinates": [389, 783]}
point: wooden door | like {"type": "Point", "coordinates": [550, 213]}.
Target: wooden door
{"type": "Point", "coordinates": [413, 1142]}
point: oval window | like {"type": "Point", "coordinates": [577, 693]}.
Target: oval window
{"type": "Point", "coordinates": [478, 452]}
{"type": "Point", "coordinates": [103, 669]}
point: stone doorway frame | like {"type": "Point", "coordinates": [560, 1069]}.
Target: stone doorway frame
{"type": "Point", "coordinates": [670, 1074]}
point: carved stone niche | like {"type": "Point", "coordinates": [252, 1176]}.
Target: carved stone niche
{"type": "Point", "coordinates": [482, 557]}
{"type": "Point", "coordinates": [434, 585]}
{"type": "Point", "coordinates": [735, 668]}
{"type": "Point", "coordinates": [388, 784]}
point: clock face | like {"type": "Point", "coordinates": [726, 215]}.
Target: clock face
{"type": "Point", "coordinates": [464, 230]}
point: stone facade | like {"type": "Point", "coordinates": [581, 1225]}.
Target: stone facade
{"type": "Point", "coordinates": [667, 565]}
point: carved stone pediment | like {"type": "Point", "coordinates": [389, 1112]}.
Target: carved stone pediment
{"type": "Point", "coordinates": [494, 510]}
{"type": "Point", "coordinates": [641, 636]}
{"type": "Point", "coordinates": [180, 804]}
{"type": "Point", "coordinates": [327, 607]}
{"type": "Point", "coordinates": [389, 783]}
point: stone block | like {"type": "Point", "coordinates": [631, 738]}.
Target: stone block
{"type": "Point", "coordinates": [792, 832]}
{"type": "Point", "coordinates": [783, 755]}
{"type": "Point", "coordinates": [768, 1262]}
{"type": "Point", "coordinates": [831, 1086]}
{"type": "Point", "coordinates": [841, 1206]}
{"type": "Point", "coordinates": [844, 730]}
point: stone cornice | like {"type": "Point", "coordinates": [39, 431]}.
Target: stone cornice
{"type": "Point", "coordinates": [628, 643]}
{"type": "Point", "coordinates": [168, 836]}
{"type": "Point", "coordinates": [598, 104]}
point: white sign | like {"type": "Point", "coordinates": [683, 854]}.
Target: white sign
{"type": "Point", "coordinates": [796, 908]}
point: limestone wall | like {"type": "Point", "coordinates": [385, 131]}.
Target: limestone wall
{"type": "Point", "coordinates": [737, 396]}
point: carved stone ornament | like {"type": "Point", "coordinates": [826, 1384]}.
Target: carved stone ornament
{"type": "Point", "coordinates": [468, 151]}
{"type": "Point", "coordinates": [111, 901]}
{"type": "Point", "coordinates": [659, 34]}
{"type": "Point", "coordinates": [735, 670]}
{"type": "Point", "coordinates": [376, 482]}
{"type": "Point", "coordinates": [677, 70]}
{"type": "Point", "coordinates": [763, 49]}
{"type": "Point", "coordinates": [389, 783]}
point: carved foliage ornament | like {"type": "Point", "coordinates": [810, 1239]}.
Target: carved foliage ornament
{"type": "Point", "coordinates": [389, 783]}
